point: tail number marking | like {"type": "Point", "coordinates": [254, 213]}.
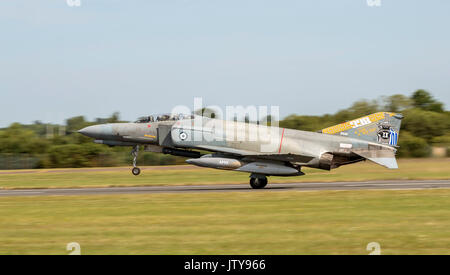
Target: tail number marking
{"type": "Point", "coordinates": [360, 122]}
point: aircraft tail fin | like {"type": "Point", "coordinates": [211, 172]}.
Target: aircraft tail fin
{"type": "Point", "coordinates": [382, 128]}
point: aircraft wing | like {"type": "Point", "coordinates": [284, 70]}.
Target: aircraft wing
{"type": "Point", "coordinates": [227, 150]}
{"type": "Point", "coordinates": [257, 155]}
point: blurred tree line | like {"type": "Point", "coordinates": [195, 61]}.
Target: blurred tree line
{"type": "Point", "coordinates": [39, 145]}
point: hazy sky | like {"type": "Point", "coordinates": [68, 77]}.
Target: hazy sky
{"type": "Point", "coordinates": [142, 57]}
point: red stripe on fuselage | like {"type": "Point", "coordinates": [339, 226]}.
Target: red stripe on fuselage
{"type": "Point", "coordinates": [281, 141]}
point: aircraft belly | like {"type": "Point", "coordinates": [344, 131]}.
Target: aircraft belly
{"type": "Point", "coordinates": [267, 168]}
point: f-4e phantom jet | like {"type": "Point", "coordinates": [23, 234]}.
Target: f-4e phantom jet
{"type": "Point", "coordinates": [259, 150]}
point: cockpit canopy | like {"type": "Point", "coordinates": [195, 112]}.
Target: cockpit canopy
{"type": "Point", "coordinates": [163, 117]}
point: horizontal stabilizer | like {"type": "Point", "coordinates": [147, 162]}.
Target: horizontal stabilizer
{"type": "Point", "coordinates": [390, 163]}
{"type": "Point", "coordinates": [380, 155]}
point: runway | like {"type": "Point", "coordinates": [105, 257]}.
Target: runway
{"type": "Point", "coordinates": [310, 186]}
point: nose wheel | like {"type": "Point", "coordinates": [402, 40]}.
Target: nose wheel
{"type": "Point", "coordinates": [136, 171]}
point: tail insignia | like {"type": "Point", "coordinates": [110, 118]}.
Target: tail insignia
{"type": "Point", "coordinates": [386, 134]}
{"type": "Point", "coordinates": [393, 137]}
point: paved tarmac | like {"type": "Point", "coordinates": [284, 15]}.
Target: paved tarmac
{"type": "Point", "coordinates": [310, 186]}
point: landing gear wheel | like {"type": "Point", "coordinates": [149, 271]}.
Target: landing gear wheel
{"type": "Point", "coordinates": [136, 171]}
{"type": "Point", "coordinates": [258, 183]}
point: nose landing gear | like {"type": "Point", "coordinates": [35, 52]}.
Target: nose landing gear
{"type": "Point", "coordinates": [136, 171]}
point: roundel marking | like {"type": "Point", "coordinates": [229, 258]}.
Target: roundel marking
{"type": "Point", "coordinates": [183, 136]}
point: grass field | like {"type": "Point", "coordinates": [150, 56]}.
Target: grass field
{"type": "Point", "coordinates": [188, 175]}
{"type": "Point", "coordinates": [325, 222]}
{"type": "Point", "coordinates": [287, 222]}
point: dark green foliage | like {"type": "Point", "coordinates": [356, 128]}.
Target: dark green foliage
{"type": "Point", "coordinates": [425, 124]}
{"type": "Point", "coordinates": [397, 103]}
{"type": "Point", "coordinates": [442, 140]}
{"type": "Point", "coordinates": [18, 140]}
{"type": "Point", "coordinates": [412, 146]}
{"type": "Point", "coordinates": [425, 101]}
{"type": "Point", "coordinates": [68, 155]}
{"type": "Point", "coordinates": [306, 123]}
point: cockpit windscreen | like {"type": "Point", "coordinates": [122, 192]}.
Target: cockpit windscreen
{"type": "Point", "coordinates": [163, 117]}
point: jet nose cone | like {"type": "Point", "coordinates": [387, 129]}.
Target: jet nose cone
{"type": "Point", "coordinates": [190, 161]}
{"type": "Point", "coordinates": [82, 131]}
{"type": "Point", "coordinates": [95, 131]}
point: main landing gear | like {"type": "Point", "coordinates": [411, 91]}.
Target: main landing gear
{"type": "Point", "coordinates": [136, 171]}
{"type": "Point", "coordinates": [258, 181]}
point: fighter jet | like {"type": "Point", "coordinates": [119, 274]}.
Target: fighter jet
{"type": "Point", "coordinates": [260, 150]}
